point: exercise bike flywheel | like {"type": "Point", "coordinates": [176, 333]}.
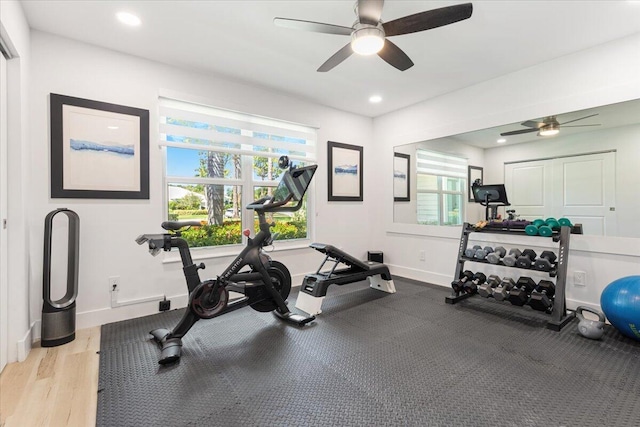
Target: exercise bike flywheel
{"type": "Point", "coordinates": [209, 299]}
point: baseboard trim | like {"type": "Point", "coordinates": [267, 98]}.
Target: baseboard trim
{"type": "Point", "coordinates": [24, 345]}
{"type": "Point", "coordinates": [420, 275]}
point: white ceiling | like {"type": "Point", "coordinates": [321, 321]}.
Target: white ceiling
{"type": "Point", "coordinates": [237, 39]}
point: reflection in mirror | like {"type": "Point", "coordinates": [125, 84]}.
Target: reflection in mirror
{"type": "Point", "coordinates": [586, 170]}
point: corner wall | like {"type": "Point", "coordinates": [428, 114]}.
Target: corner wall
{"type": "Point", "coordinates": [15, 31]}
{"type": "Point", "coordinates": [601, 75]}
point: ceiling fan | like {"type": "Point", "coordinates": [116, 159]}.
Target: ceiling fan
{"type": "Point", "coordinates": [369, 32]}
{"type": "Point", "coordinates": [549, 126]}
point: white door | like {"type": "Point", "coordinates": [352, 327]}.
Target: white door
{"type": "Point", "coordinates": [3, 215]}
{"type": "Point", "coordinates": [584, 192]}
{"type": "Point", "coordinates": [581, 188]}
{"type": "Point", "coordinates": [528, 186]}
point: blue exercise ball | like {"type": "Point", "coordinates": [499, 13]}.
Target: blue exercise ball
{"type": "Point", "coordinates": [620, 302]}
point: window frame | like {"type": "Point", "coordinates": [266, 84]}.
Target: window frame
{"type": "Point", "coordinates": [247, 183]}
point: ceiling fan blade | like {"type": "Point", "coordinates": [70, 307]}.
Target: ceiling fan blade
{"type": "Point", "coordinates": [580, 126]}
{"type": "Point", "coordinates": [518, 132]}
{"type": "Point", "coordinates": [370, 11]}
{"type": "Point", "coordinates": [316, 27]}
{"type": "Point", "coordinates": [532, 124]}
{"type": "Point", "coordinates": [581, 118]}
{"type": "Point", "coordinates": [395, 56]}
{"type": "Point", "coordinates": [336, 59]}
{"type": "Point", "coordinates": [428, 19]}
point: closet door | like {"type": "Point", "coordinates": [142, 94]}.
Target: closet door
{"type": "Point", "coordinates": [584, 191]}
{"type": "Point", "coordinates": [528, 186]}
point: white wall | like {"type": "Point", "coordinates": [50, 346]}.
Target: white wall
{"type": "Point", "coordinates": [108, 227]}
{"type": "Point", "coordinates": [602, 75]}
{"type": "Point", "coordinates": [15, 32]}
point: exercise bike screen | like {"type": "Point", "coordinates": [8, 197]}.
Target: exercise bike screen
{"type": "Point", "coordinates": [294, 183]}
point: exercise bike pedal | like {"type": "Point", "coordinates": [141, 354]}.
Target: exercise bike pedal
{"type": "Point", "coordinates": [294, 318]}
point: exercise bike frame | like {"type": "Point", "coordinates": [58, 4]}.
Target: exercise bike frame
{"type": "Point", "coordinates": [255, 285]}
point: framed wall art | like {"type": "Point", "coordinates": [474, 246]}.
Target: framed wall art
{"type": "Point", "coordinates": [345, 172]}
{"type": "Point", "coordinates": [98, 150]}
{"type": "Point", "coordinates": [474, 175]}
{"type": "Point", "coordinates": [401, 177]}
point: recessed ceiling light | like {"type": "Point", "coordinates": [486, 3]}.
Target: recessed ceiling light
{"type": "Point", "coordinates": [113, 127]}
{"type": "Point", "coordinates": [128, 19]}
{"type": "Point", "coordinates": [375, 99]}
{"type": "Point", "coordinates": [501, 141]}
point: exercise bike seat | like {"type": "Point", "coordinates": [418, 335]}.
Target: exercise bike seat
{"type": "Point", "coordinates": [177, 225]}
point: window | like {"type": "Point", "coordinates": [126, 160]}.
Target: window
{"type": "Point", "coordinates": [218, 161]}
{"type": "Point", "coordinates": [441, 184]}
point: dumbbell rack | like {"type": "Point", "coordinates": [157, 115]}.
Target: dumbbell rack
{"type": "Point", "coordinates": [559, 316]}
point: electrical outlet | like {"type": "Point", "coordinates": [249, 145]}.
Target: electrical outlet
{"type": "Point", "coordinates": [422, 255]}
{"type": "Point", "coordinates": [164, 305]}
{"type": "Point", "coordinates": [114, 283]}
{"type": "Point", "coordinates": [580, 278]}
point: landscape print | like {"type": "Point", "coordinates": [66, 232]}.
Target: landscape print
{"type": "Point", "coordinates": [346, 171]}
{"type": "Point", "coordinates": [101, 150]}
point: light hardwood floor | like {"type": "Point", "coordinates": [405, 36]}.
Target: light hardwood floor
{"type": "Point", "coordinates": [56, 386]}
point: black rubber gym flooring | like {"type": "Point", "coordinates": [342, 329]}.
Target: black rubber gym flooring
{"type": "Point", "coordinates": [371, 359]}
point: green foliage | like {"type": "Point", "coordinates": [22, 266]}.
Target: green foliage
{"type": "Point", "coordinates": [182, 213]}
{"type": "Point", "coordinates": [189, 201]}
{"type": "Point", "coordinates": [214, 235]}
{"type": "Point", "coordinates": [229, 233]}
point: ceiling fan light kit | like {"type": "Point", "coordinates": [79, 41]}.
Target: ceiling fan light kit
{"type": "Point", "coordinates": [367, 39]}
{"type": "Point", "coordinates": [549, 126]}
{"type": "Point", "coordinates": [369, 34]}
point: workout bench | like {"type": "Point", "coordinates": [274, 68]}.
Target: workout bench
{"type": "Point", "coordinates": [314, 286]}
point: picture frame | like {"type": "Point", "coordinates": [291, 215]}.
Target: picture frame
{"type": "Point", "coordinates": [345, 163]}
{"type": "Point", "coordinates": [474, 173]}
{"type": "Point", "coordinates": [401, 177]}
{"type": "Point", "coordinates": [98, 150]}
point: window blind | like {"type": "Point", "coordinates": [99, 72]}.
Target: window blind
{"type": "Point", "coordinates": [201, 127]}
{"type": "Point", "coordinates": [441, 164]}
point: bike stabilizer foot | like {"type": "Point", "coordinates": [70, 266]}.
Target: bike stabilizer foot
{"type": "Point", "coordinates": [294, 318]}
{"type": "Point", "coordinates": [171, 347]}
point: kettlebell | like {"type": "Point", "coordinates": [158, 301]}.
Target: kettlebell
{"type": "Point", "coordinates": [593, 329]}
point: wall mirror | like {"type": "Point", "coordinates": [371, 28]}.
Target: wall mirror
{"type": "Point", "coordinates": [585, 169]}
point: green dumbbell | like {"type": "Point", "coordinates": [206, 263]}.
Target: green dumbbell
{"type": "Point", "coordinates": [541, 227]}
{"type": "Point", "coordinates": [565, 222]}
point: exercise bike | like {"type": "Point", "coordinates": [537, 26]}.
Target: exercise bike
{"type": "Point", "coordinates": [266, 283]}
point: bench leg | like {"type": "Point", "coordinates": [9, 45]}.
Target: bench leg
{"type": "Point", "coordinates": [309, 304]}
{"type": "Point", "coordinates": [377, 282]}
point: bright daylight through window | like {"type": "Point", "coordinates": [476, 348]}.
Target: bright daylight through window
{"type": "Point", "coordinates": [441, 184]}
{"type": "Point", "coordinates": [219, 161]}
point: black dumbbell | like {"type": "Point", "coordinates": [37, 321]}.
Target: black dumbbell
{"type": "Point", "coordinates": [519, 295]}
{"type": "Point", "coordinates": [526, 259]}
{"type": "Point", "coordinates": [471, 286]}
{"type": "Point", "coordinates": [546, 261]}
{"type": "Point", "coordinates": [457, 285]}
{"type": "Point", "coordinates": [485, 290]}
{"type": "Point", "coordinates": [501, 292]}
{"type": "Point", "coordinates": [482, 253]}
{"type": "Point", "coordinates": [542, 296]}
{"type": "Point", "coordinates": [510, 260]}
{"type": "Point", "coordinates": [470, 252]}
{"type": "Point", "coordinates": [497, 254]}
